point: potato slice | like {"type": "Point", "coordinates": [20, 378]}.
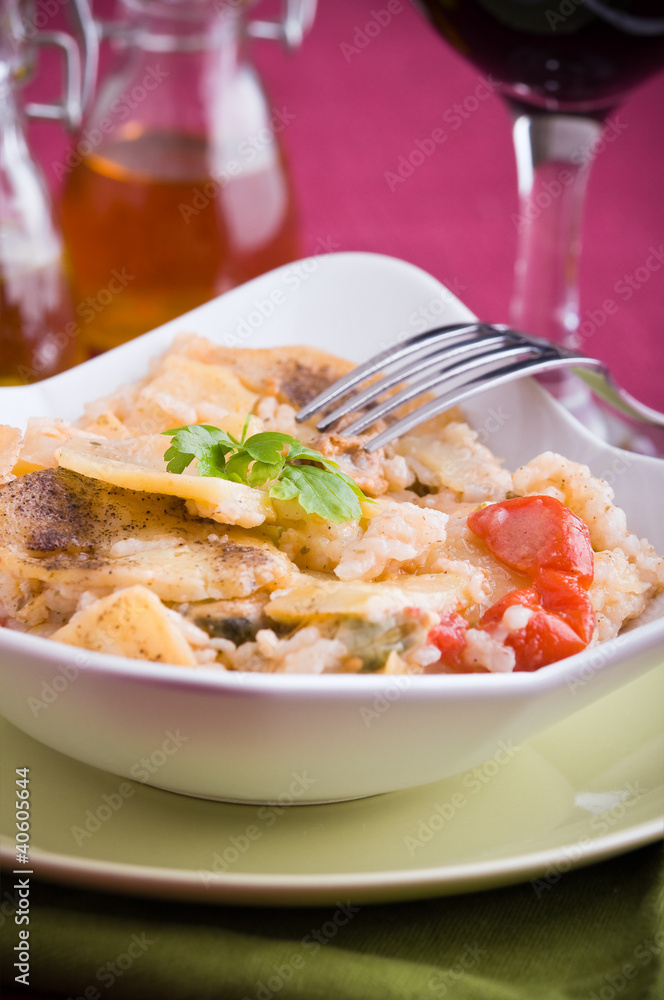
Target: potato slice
{"type": "Point", "coordinates": [319, 599]}
{"type": "Point", "coordinates": [131, 622]}
{"type": "Point", "coordinates": [123, 463]}
{"type": "Point", "coordinates": [193, 381]}
{"type": "Point", "coordinates": [107, 425]}
{"type": "Point", "coordinates": [75, 533]}
{"type": "Point", "coordinates": [456, 459]}
{"type": "Point", "coordinates": [10, 446]}
{"type": "Point", "coordinates": [187, 391]}
{"type": "Point", "coordinates": [294, 373]}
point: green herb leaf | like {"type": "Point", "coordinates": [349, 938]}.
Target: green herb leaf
{"type": "Point", "coordinates": [177, 460]}
{"type": "Point", "coordinates": [261, 472]}
{"type": "Point", "coordinates": [268, 446]}
{"type": "Point", "coordinates": [324, 493]}
{"type": "Point", "coordinates": [291, 468]}
{"type": "Point", "coordinates": [299, 450]}
{"type": "Point", "coordinates": [283, 490]}
{"type": "Point", "coordinates": [237, 467]}
{"type": "Point", "coordinates": [213, 463]}
{"type": "Point", "coordinates": [202, 441]}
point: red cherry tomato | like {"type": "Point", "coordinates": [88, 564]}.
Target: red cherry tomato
{"type": "Point", "coordinates": [545, 637]}
{"type": "Point", "coordinates": [528, 597]}
{"type": "Point", "coordinates": [531, 534]}
{"type": "Point", "coordinates": [542, 538]}
{"type": "Point", "coordinates": [566, 597]}
{"type": "Point", "coordinates": [449, 636]}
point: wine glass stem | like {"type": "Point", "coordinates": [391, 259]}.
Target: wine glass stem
{"type": "Point", "coordinates": [554, 157]}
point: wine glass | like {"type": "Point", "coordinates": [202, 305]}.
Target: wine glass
{"type": "Point", "coordinates": [563, 67]}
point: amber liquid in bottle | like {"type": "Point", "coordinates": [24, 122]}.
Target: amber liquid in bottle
{"type": "Point", "coordinates": [151, 234]}
{"type": "Point", "coordinates": [37, 327]}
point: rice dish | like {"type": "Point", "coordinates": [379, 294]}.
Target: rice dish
{"type": "Point", "coordinates": [454, 563]}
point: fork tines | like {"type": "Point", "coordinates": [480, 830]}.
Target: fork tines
{"type": "Point", "coordinates": [455, 362]}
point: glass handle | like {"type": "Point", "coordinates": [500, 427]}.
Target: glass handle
{"type": "Point", "coordinates": [296, 20]}
{"type": "Point", "coordinates": [554, 154]}
{"type": "Point", "coordinates": [80, 76]}
{"type": "Point", "coordinates": [88, 33]}
{"type": "Point", "coordinates": [69, 108]}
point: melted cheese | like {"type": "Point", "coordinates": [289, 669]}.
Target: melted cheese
{"type": "Point", "coordinates": [131, 622]}
{"type": "Point", "coordinates": [134, 465]}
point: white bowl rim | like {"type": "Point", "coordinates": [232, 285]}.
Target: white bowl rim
{"type": "Point", "coordinates": [344, 685]}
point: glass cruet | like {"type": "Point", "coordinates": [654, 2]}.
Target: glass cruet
{"type": "Point", "coordinates": [177, 186]}
{"type": "Point", "coordinates": [38, 331]}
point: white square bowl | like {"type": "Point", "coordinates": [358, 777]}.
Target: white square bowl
{"type": "Point", "coordinates": [249, 737]}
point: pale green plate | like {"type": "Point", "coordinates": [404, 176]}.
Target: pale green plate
{"type": "Point", "coordinates": [589, 788]}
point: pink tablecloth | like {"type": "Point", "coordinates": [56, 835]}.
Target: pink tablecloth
{"type": "Point", "coordinates": [356, 107]}
{"type": "Point", "coordinates": [358, 100]}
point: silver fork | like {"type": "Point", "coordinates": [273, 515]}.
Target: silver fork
{"type": "Point", "coordinates": [456, 362]}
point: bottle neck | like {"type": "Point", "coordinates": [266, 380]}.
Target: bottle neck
{"type": "Point", "coordinates": [177, 78]}
{"type": "Point", "coordinates": [24, 199]}
{"type": "Point", "coordinates": [28, 236]}
{"type": "Point", "coordinates": [185, 27]}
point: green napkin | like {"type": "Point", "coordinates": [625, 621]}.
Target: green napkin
{"type": "Point", "coordinates": [590, 934]}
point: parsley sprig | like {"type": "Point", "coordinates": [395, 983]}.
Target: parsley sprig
{"type": "Point", "coordinates": [291, 470]}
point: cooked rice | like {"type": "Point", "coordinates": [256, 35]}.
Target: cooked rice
{"type": "Point", "coordinates": [414, 532]}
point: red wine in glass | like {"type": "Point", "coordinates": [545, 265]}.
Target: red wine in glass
{"type": "Point", "coordinates": [574, 56]}
{"type": "Point", "coordinates": [562, 66]}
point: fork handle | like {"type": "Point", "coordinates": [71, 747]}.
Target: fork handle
{"type": "Point", "coordinates": [607, 389]}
